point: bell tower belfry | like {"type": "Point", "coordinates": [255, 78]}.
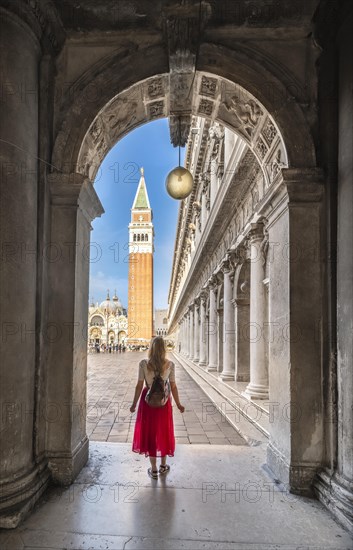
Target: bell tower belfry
{"type": "Point", "coordinates": [140, 291]}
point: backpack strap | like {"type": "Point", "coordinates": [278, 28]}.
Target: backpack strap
{"type": "Point", "coordinates": [144, 366]}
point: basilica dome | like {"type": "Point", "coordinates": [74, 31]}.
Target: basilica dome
{"type": "Point", "coordinates": [114, 305]}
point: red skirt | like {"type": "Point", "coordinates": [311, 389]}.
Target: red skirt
{"type": "Point", "coordinates": [154, 429]}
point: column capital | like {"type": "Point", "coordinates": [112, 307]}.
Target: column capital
{"type": "Point", "coordinates": [256, 232]}
{"type": "Point", "coordinates": [75, 190]}
{"type": "Point", "coordinates": [212, 282]}
{"type": "Point", "coordinates": [203, 296]}
{"type": "Point", "coordinates": [229, 263]}
{"type": "Point", "coordinates": [303, 184]}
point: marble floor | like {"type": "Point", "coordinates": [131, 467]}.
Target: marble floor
{"type": "Point", "coordinates": [216, 497]}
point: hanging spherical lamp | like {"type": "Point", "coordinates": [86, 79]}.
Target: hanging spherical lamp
{"type": "Point", "coordinates": [179, 182]}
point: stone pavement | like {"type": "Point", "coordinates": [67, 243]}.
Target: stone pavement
{"type": "Point", "coordinates": [214, 498]}
{"type": "Point", "coordinates": [110, 389]}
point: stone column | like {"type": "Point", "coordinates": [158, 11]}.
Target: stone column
{"type": "Point", "coordinates": [191, 332]}
{"type": "Point", "coordinates": [334, 485]}
{"type": "Point", "coordinates": [212, 326]}
{"type": "Point", "coordinates": [258, 386]}
{"type": "Point", "coordinates": [185, 335]}
{"type": "Point", "coordinates": [203, 330]}
{"type": "Point", "coordinates": [74, 204]}
{"type": "Point", "coordinates": [220, 337]}
{"type": "Point", "coordinates": [344, 475]}
{"type": "Point", "coordinates": [197, 330]}
{"type": "Point", "coordinates": [23, 476]}
{"type": "Point", "coordinates": [242, 344]}
{"type": "Point", "coordinates": [228, 321]}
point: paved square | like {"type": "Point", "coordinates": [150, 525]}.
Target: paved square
{"type": "Point", "coordinates": [111, 380]}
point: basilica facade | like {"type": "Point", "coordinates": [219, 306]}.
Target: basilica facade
{"type": "Point", "coordinates": [107, 323]}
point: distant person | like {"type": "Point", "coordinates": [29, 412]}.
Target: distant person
{"type": "Point", "coordinates": [154, 427]}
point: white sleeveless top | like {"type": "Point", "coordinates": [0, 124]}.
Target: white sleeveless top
{"type": "Point", "coordinates": [147, 375]}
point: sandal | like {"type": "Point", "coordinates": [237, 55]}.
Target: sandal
{"type": "Point", "coordinates": [152, 473]}
{"type": "Point", "coordinates": [164, 469]}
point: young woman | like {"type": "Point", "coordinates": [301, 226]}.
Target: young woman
{"type": "Point", "coordinates": [154, 428]}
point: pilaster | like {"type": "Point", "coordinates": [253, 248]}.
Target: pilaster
{"type": "Point", "coordinates": [74, 204]}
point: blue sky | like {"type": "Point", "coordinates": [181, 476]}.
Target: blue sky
{"type": "Point", "coordinates": [116, 184]}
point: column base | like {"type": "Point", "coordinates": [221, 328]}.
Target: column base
{"type": "Point", "coordinates": [336, 493]}
{"type": "Point", "coordinates": [256, 391]}
{"type": "Point", "coordinates": [65, 466]}
{"type": "Point", "coordinates": [19, 496]}
{"type": "Point", "coordinates": [242, 378]}
{"type": "Point", "coordinates": [202, 363]}
{"type": "Point", "coordinates": [196, 360]}
{"type": "Point", "coordinates": [211, 368]}
{"type": "Point", "coordinates": [226, 376]}
{"type": "Point", "coordinates": [297, 476]}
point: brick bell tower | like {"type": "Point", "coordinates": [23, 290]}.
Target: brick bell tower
{"type": "Point", "coordinates": [140, 291]}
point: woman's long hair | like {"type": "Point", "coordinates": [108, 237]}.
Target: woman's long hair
{"type": "Point", "coordinates": [156, 354]}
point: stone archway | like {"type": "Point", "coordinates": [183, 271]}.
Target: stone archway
{"type": "Point", "coordinates": [87, 132]}
{"type": "Point", "coordinates": [279, 137]}
{"type": "Point", "coordinates": [228, 86]}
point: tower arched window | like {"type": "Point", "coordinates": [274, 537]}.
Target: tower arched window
{"type": "Point", "coordinates": [146, 237]}
{"type": "Point", "coordinates": [134, 237]}
{"type": "Point", "coordinates": [138, 237]}
{"type": "Point", "coordinates": [142, 237]}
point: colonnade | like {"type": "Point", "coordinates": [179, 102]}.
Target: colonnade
{"type": "Point", "coordinates": [223, 329]}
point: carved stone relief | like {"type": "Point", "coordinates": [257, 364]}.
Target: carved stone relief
{"type": "Point", "coordinates": [206, 107]}
{"type": "Point", "coordinates": [247, 113]}
{"type": "Point", "coordinates": [155, 88]}
{"type": "Point", "coordinates": [156, 109]}
{"type": "Point", "coordinates": [261, 147]}
{"type": "Point", "coordinates": [276, 165]}
{"type": "Point", "coordinates": [208, 86]}
{"type": "Point", "coordinates": [179, 127]}
{"type": "Point", "coordinates": [269, 131]}
{"type": "Point", "coordinates": [119, 116]}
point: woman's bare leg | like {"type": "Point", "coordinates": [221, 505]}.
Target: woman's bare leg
{"type": "Point", "coordinates": [153, 461]}
{"type": "Point", "coordinates": [163, 460]}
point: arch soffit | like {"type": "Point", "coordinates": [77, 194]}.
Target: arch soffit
{"type": "Point", "coordinates": [91, 129]}
{"type": "Point", "coordinates": [241, 276]}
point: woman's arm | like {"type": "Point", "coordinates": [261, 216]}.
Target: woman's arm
{"type": "Point", "coordinates": [138, 390]}
{"type": "Point", "coordinates": [174, 390]}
